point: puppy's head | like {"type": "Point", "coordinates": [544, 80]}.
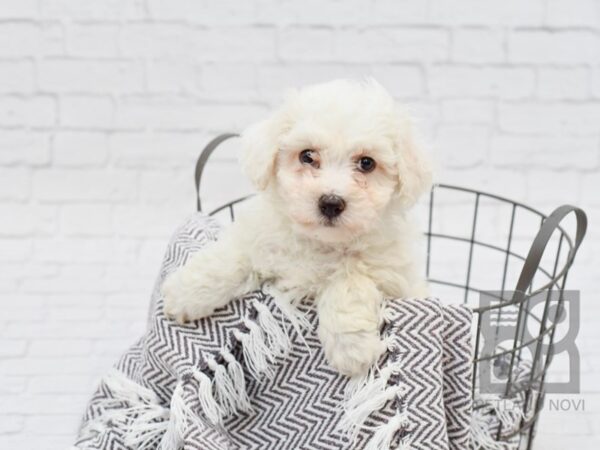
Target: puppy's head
{"type": "Point", "coordinates": [337, 156]}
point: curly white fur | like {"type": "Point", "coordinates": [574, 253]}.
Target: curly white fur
{"type": "Point", "coordinates": [348, 264]}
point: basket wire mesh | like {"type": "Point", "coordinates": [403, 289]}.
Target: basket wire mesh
{"type": "Point", "coordinates": [509, 299]}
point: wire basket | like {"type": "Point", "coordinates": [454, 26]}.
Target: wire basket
{"type": "Point", "coordinates": [507, 298]}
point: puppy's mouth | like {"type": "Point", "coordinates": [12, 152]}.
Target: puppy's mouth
{"type": "Point", "coordinates": [329, 222]}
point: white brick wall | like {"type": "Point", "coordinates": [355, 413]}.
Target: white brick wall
{"type": "Point", "coordinates": [105, 104]}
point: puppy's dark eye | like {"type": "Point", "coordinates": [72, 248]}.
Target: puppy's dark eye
{"type": "Point", "coordinates": [308, 157]}
{"type": "Point", "coordinates": [366, 164]}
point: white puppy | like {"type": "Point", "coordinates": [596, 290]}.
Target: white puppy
{"type": "Point", "coordinates": [337, 167]}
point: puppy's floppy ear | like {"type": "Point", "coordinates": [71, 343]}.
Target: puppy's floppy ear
{"type": "Point", "coordinates": [414, 167]}
{"type": "Point", "coordinates": [259, 151]}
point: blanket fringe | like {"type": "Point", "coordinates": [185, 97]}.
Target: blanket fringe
{"type": "Point", "coordinates": [209, 405]}
{"type": "Point", "coordinates": [372, 396]}
{"type": "Point", "coordinates": [236, 374]}
{"type": "Point", "coordinates": [179, 419]}
{"type": "Point", "coordinates": [144, 420]}
{"type": "Point", "coordinates": [224, 392]}
{"type": "Point", "coordinates": [483, 429]}
{"type": "Point", "coordinates": [384, 435]}
{"type": "Point", "coordinates": [147, 424]}
{"type": "Point", "coordinates": [366, 395]}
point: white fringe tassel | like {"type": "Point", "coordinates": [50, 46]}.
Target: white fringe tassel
{"type": "Point", "coordinates": [236, 374]}
{"type": "Point", "coordinates": [223, 387]}
{"type": "Point", "coordinates": [257, 356]}
{"type": "Point", "coordinates": [383, 436]}
{"type": "Point", "coordinates": [211, 408]}
{"type": "Point", "coordinates": [277, 338]}
{"type": "Point", "coordinates": [483, 425]}
{"type": "Point", "coordinates": [144, 420]}
{"type": "Point", "coordinates": [371, 396]}
{"type": "Point", "coordinates": [285, 303]}
{"type": "Point", "coordinates": [180, 416]}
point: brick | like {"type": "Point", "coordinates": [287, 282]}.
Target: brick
{"type": "Point", "coordinates": [174, 76]}
{"type": "Point", "coordinates": [53, 40]}
{"type": "Point", "coordinates": [151, 221]}
{"type": "Point", "coordinates": [306, 44]}
{"type": "Point", "coordinates": [24, 147]}
{"type": "Point", "coordinates": [163, 186]}
{"type": "Point", "coordinates": [90, 76]}
{"type": "Point", "coordinates": [139, 150]}
{"type": "Point", "coordinates": [80, 149]}
{"type": "Point", "coordinates": [563, 83]}
{"type": "Point", "coordinates": [223, 44]}
{"type": "Point", "coordinates": [487, 12]}
{"type": "Point", "coordinates": [12, 348]}
{"type": "Point", "coordinates": [543, 188]}
{"type": "Point", "coordinates": [60, 424]}
{"type": "Point", "coordinates": [86, 220]}
{"type": "Point", "coordinates": [74, 300]}
{"type": "Point", "coordinates": [61, 185]}
{"type": "Point", "coordinates": [274, 79]}
{"type": "Point", "coordinates": [10, 424]}
{"type": "Point", "coordinates": [468, 111]}
{"type": "Point", "coordinates": [477, 45]}
{"type": "Point", "coordinates": [425, 114]}
{"type": "Point", "coordinates": [590, 185]}
{"type": "Point", "coordinates": [230, 81]}
{"type": "Point", "coordinates": [176, 9]}
{"type": "Point", "coordinates": [24, 220]}
{"type": "Point", "coordinates": [26, 304]}
{"type": "Point", "coordinates": [84, 250]}
{"type": "Point", "coordinates": [60, 347]}
{"type": "Point", "coordinates": [23, 9]}
{"type": "Point", "coordinates": [15, 184]}
{"type": "Point", "coordinates": [552, 118]}
{"type": "Point", "coordinates": [575, 13]}
{"type": "Point", "coordinates": [392, 45]}
{"type": "Point", "coordinates": [225, 11]}
{"type": "Point", "coordinates": [13, 250]}
{"type": "Point", "coordinates": [560, 47]}
{"type": "Point", "coordinates": [392, 12]}
{"type": "Point", "coordinates": [12, 385]}
{"type": "Point", "coordinates": [183, 114]}
{"type": "Point", "coordinates": [19, 39]}
{"type": "Point", "coordinates": [27, 112]}
{"type": "Point", "coordinates": [167, 41]}
{"type": "Point", "coordinates": [92, 330]}
{"type": "Point", "coordinates": [311, 12]}
{"type": "Point", "coordinates": [464, 81]}
{"type": "Point", "coordinates": [52, 404]}
{"type": "Point", "coordinates": [16, 77]}
{"type": "Point", "coordinates": [462, 145]}
{"type": "Point", "coordinates": [542, 151]}
{"type": "Point", "coordinates": [85, 111]}
{"type": "Point", "coordinates": [93, 40]}
{"type": "Point", "coordinates": [32, 442]}
{"type": "Point", "coordinates": [106, 10]}
{"type": "Point", "coordinates": [400, 80]}
{"type": "Point", "coordinates": [596, 83]}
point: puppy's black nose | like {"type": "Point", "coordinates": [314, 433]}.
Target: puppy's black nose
{"type": "Point", "coordinates": [331, 205]}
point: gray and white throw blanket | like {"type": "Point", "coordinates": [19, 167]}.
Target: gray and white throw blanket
{"type": "Point", "coordinates": [254, 376]}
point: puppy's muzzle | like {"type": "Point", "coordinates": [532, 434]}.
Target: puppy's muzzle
{"type": "Point", "coordinates": [331, 205]}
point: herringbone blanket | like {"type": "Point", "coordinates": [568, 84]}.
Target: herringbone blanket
{"type": "Point", "coordinates": [254, 376]}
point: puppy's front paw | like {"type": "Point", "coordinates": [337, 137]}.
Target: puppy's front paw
{"type": "Point", "coordinates": [185, 302]}
{"type": "Point", "coordinates": [352, 353]}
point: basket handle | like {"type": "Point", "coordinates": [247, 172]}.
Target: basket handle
{"type": "Point", "coordinates": [203, 159]}
{"type": "Point", "coordinates": [540, 242]}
